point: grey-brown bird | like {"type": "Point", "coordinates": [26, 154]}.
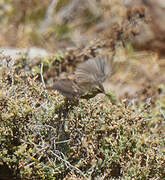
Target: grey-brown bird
{"type": "Point", "coordinates": [87, 80]}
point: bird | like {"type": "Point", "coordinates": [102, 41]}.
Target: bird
{"type": "Point", "coordinates": [87, 80]}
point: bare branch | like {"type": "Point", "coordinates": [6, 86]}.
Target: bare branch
{"type": "Point", "coordinates": [70, 165]}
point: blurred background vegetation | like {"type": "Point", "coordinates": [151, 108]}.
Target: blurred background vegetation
{"type": "Point", "coordinates": [54, 24]}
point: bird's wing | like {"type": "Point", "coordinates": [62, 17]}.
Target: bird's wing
{"type": "Point", "coordinates": [94, 70]}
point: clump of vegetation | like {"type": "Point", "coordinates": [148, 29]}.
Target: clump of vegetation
{"type": "Point", "coordinates": [43, 137]}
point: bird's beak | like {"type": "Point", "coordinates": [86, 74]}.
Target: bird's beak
{"type": "Point", "coordinates": [101, 89]}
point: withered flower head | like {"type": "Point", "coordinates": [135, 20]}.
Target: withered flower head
{"type": "Point", "coordinates": [87, 80]}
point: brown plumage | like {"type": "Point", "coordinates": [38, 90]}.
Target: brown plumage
{"type": "Point", "coordinates": [87, 80]}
